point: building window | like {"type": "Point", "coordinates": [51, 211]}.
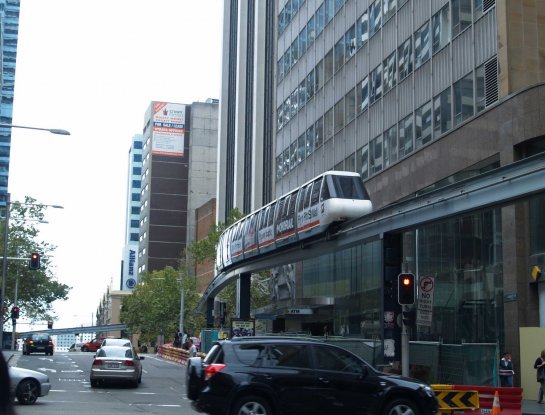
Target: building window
{"type": "Point", "coordinates": [423, 125]}
{"type": "Point", "coordinates": [279, 164]}
{"type": "Point", "coordinates": [309, 141]}
{"type": "Point", "coordinates": [375, 155]}
{"type": "Point", "coordinates": [350, 105]}
{"type": "Point", "coordinates": [441, 29]}
{"type": "Point", "coordinates": [137, 157]}
{"type": "Point", "coordinates": [134, 237]}
{"type": "Point", "coordinates": [137, 171]}
{"type": "Point", "coordinates": [311, 32]}
{"type": "Point", "coordinates": [375, 85]}
{"type": "Point", "coordinates": [328, 124]}
{"type": "Point", "coordinates": [339, 54]}
{"type": "Point", "coordinates": [350, 43]}
{"type": "Point", "coordinates": [463, 99]}
{"type": "Point", "coordinates": [302, 94]}
{"type": "Point", "coordinates": [310, 83]}
{"type": "Point", "coordinates": [302, 41]}
{"type": "Point", "coordinates": [294, 52]}
{"type": "Point", "coordinates": [364, 162]}
{"type": "Point", "coordinates": [329, 10]}
{"type": "Point", "coordinates": [442, 112]}
{"type": "Point", "coordinates": [339, 115]}
{"type": "Point", "coordinates": [461, 16]}
{"type": "Point", "coordinates": [405, 59]}
{"type": "Point", "coordinates": [375, 17]}
{"type": "Point", "coordinates": [280, 68]}
{"type": "Point", "coordinates": [320, 19]}
{"type": "Point", "coordinates": [480, 97]}
{"type": "Point", "coordinates": [390, 146]}
{"type": "Point", "coordinates": [350, 163]}
{"type": "Point", "coordinates": [390, 79]}
{"type": "Point", "coordinates": [134, 223]}
{"type": "Point", "coordinates": [422, 45]}
{"type": "Point", "coordinates": [293, 155]}
{"type": "Point", "coordinates": [390, 7]}
{"type": "Point", "coordinates": [319, 131]}
{"type": "Point", "coordinates": [286, 158]}
{"type": "Point", "coordinates": [328, 65]}
{"type": "Point", "coordinates": [135, 197]}
{"type": "Point", "coordinates": [135, 210]}
{"type": "Point", "coordinates": [319, 75]}
{"type": "Point", "coordinates": [363, 29]}
{"type": "Point", "coordinates": [362, 95]}
{"type": "Point", "coordinates": [136, 183]}
{"type": "Point", "coordinates": [406, 136]}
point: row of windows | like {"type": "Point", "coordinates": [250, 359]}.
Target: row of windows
{"type": "Point", "coordinates": [366, 26]}
{"type": "Point", "coordinates": [451, 107]}
{"type": "Point", "coordinates": [396, 67]}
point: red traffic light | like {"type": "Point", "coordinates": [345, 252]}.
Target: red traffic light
{"type": "Point", "coordinates": [15, 312]}
{"type": "Point", "coordinates": [406, 289]}
{"type": "Point", "coordinates": [34, 262]}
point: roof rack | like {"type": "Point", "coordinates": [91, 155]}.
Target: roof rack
{"type": "Point", "coordinates": [253, 338]}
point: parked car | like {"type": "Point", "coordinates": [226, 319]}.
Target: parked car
{"type": "Point", "coordinates": [110, 341]}
{"type": "Point", "coordinates": [93, 345]}
{"type": "Point", "coordinates": [27, 385]}
{"type": "Point", "coordinates": [275, 375]}
{"type": "Point", "coordinates": [75, 347]}
{"type": "Point", "coordinates": [116, 363]}
{"type": "Point", "coordinates": [38, 342]}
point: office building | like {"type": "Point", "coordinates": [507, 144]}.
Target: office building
{"type": "Point", "coordinates": [129, 263]}
{"type": "Point", "coordinates": [414, 95]}
{"type": "Point", "coordinates": [178, 176]}
{"type": "Point", "coordinates": [9, 29]}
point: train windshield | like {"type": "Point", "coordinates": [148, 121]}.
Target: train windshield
{"type": "Point", "coordinates": [346, 187]}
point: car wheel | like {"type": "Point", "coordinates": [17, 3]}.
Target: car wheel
{"type": "Point", "coordinates": [27, 391]}
{"type": "Point", "coordinates": [84, 349]}
{"type": "Point", "coordinates": [254, 405]}
{"type": "Point", "coordinates": [401, 407]}
{"type": "Point", "coordinates": [94, 383]}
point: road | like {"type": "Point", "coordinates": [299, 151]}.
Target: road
{"type": "Point", "coordinates": [161, 392]}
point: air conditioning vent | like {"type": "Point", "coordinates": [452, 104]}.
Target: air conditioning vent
{"type": "Point", "coordinates": [491, 81]}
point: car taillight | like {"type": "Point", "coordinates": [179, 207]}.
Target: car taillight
{"type": "Point", "coordinates": [128, 363]}
{"type": "Point", "coordinates": [50, 341]}
{"type": "Point", "coordinates": [97, 362]}
{"type": "Point", "coordinates": [211, 370]}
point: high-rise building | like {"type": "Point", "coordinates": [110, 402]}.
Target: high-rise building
{"type": "Point", "coordinates": [178, 176]}
{"type": "Point", "coordinates": [9, 31]}
{"type": "Point", "coordinates": [413, 95]}
{"type": "Point", "coordinates": [129, 263]}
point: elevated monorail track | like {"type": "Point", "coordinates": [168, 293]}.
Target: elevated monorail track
{"type": "Point", "coordinates": [495, 188]}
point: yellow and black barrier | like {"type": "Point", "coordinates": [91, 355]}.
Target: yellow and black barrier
{"type": "Point", "coordinates": [452, 399]}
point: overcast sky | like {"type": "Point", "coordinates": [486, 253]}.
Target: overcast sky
{"type": "Point", "coordinates": [92, 68]}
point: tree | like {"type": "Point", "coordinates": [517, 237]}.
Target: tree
{"type": "Point", "coordinates": [205, 250]}
{"type": "Point", "coordinates": [37, 289]}
{"type": "Point", "coordinates": [153, 308]}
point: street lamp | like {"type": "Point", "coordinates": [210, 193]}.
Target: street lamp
{"type": "Point", "coordinates": [5, 257]}
{"type": "Point", "coordinates": [51, 130]}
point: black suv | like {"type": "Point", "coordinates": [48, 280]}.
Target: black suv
{"type": "Point", "coordinates": [38, 342]}
{"type": "Point", "coordinates": [280, 375]}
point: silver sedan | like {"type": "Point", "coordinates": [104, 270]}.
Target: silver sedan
{"type": "Point", "coordinates": [27, 385]}
{"type": "Point", "coordinates": [116, 363]}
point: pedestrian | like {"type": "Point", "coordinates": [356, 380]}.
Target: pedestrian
{"type": "Point", "coordinates": [177, 338]}
{"type": "Point", "coordinates": [6, 402]}
{"type": "Point", "coordinates": [506, 370]}
{"type": "Point", "coordinates": [540, 375]}
{"type": "Point", "coordinates": [191, 348]}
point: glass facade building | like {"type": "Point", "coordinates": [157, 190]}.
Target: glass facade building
{"type": "Point", "coordinates": [9, 30]}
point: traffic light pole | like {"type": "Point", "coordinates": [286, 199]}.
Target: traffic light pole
{"type": "Point", "coordinates": [4, 271]}
{"type": "Point", "coordinates": [14, 320]}
{"type": "Point", "coordinates": [404, 345]}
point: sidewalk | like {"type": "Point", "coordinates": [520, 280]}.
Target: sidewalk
{"type": "Point", "coordinates": [530, 407]}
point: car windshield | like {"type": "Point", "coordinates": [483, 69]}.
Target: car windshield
{"type": "Point", "coordinates": [116, 342]}
{"type": "Point", "coordinates": [40, 337]}
{"type": "Point", "coordinates": [115, 352]}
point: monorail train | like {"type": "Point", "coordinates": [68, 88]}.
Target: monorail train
{"type": "Point", "coordinates": [309, 210]}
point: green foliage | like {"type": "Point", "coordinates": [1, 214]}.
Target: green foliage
{"type": "Point", "coordinates": [37, 289]}
{"type": "Point", "coordinates": [153, 309]}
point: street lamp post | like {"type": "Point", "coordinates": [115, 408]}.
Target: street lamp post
{"type": "Point", "coordinates": [51, 130]}
{"type": "Point", "coordinates": [5, 257]}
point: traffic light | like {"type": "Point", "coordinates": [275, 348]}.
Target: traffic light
{"type": "Point", "coordinates": [406, 289]}
{"type": "Point", "coordinates": [34, 262]}
{"type": "Point", "coordinates": [15, 312]}
{"type": "Point", "coordinates": [409, 317]}
{"type": "Point", "coordinates": [49, 324]}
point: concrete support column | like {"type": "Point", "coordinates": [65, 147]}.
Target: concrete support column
{"type": "Point", "coordinates": [243, 295]}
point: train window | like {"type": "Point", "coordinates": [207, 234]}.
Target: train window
{"type": "Point", "coordinates": [271, 214]}
{"type": "Point", "coordinates": [315, 191]}
{"type": "Point", "coordinates": [285, 208]}
{"type": "Point", "coordinates": [302, 196]}
{"type": "Point", "coordinates": [347, 187]}
{"type": "Point", "coordinates": [293, 199]}
{"type": "Point", "coordinates": [307, 195]}
{"type": "Point", "coordinates": [265, 217]}
{"type": "Point", "coordinates": [279, 208]}
{"type": "Point", "coordinates": [325, 190]}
